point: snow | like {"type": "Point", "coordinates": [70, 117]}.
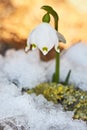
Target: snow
{"type": "Point", "coordinates": [18, 69]}
{"type": "Point", "coordinates": [23, 69]}
{"type": "Point", "coordinates": [74, 59]}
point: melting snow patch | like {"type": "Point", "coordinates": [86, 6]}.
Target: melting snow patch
{"type": "Point", "coordinates": [74, 59]}
{"type": "Point", "coordinates": [45, 116]}
{"type": "Point", "coordinates": [23, 111]}
{"type": "Point", "coordinates": [24, 70]}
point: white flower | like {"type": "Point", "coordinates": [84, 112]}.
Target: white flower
{"type": "Point", "coordinates": [44, 37]}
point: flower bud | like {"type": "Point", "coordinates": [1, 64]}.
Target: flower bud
{"type": "Point", "coordinates": [46, 18]}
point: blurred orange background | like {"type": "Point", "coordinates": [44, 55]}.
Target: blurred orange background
{"type": "Point", "coordinates": [19, 17]}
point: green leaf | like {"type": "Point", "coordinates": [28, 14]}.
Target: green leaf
{"type": "Point", "coordinates": [67, 78]}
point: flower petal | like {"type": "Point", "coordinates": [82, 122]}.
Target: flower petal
{"type": "Point", "coordinates": [57, 48]}
{"type": "Point", "coordinates": [27, 48]}
{"type": "Point", "coordinates": [44, 37]}
{"type": "Point", "coordinates": [61, 37]}
{"type": "Point", "coordinates": [44, 52]}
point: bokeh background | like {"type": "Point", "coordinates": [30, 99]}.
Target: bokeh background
{"type": "Point", "coordinates": [19, 17]}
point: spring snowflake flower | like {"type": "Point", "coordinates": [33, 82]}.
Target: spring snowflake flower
{"type": "Point", "coordinates": [44, 37]}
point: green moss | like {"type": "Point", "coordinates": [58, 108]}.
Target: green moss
{"type": "Point", "coordinates": [71, 98]}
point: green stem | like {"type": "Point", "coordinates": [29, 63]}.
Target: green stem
{"type": "Point", "coordinates": [57, 65]}
{"type": "Point", "coordinates": [57, 68]}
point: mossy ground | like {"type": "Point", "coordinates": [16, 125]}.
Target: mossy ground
{"type": "Point", "coordinates": [71, 98]}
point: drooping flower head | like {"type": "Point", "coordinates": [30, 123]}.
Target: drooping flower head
{"type": "Point", "coordinates": [44, 37]}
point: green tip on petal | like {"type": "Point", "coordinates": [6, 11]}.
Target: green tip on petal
{"type": "Point", "coordinates": [57, 48]}
{"type": "Point", "coordinates": [34, 46]}
{"type": "Point", "coordinates": [44, 50]}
